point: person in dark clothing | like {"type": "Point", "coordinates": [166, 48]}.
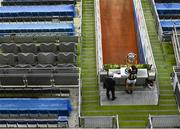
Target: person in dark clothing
{"type": "Point", "coordinates": [131, 80]}
{"type": "Point", "coordinates": [109, 84]}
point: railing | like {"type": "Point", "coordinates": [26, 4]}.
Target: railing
{"type": "Point", "coordinates": [164, 121]}
{"type": "Point", "coordinates": [99, 56]}
{"type": "Point", "coordinates": [176, 45]}
{"type": "Point", "coordinates": [176, 84]}
{"type": "Point", "coordinates": [147, 49]}
{"type": "Point", "coordinates": [99, 122]}
{"type": "Point", "coordinates": [157, 21]}
{"type": "Point", "coordinates": [150, 122]}
{"type": "Point", "coordinates": [79, 99]}
{"type": "Point", "coordinates": [81, 17]}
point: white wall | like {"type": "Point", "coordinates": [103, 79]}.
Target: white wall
{"type": "Point", "coordinates": [99, 56]}
{"type": "Point", "coordinates": [146, 45]}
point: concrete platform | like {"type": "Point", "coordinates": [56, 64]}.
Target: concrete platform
{"type": "Point", "coordinates": [142, 95]}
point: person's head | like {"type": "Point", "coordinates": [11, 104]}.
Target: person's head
{"type": "Point", "coordinates": [133, 67]}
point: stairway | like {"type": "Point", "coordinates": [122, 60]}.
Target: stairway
{"type": "Point", "coordinates": [88, 56]}
{"type": "Point", "coordinates": [164, 66]}
{"type": "Point", "coordinates": [129, 116]}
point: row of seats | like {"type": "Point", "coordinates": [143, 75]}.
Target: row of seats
{"type": "Point", "coordinates": [59, 106]}
{"type": "Point", "coordinates": [34, 77]}
{"type": "Point", "coordinates": [37, 11]}
{"type": "Point", "coordinates": [33, 123]}
{"type": "Point", "coordinates": [36, 2]}
{"type": "Point", "coordinates": [168, 16]}
{"type": "Point", "coordinates": [34, 48]}
{"type": "Point", "coordinates": [38, 27]}
{"type": "Point", "coordinates": [36, 19]}
{"type": "Point", "coordinates": [168, 8]}
{"type": "Point", "coordinates": [167, 1]}
{"type": "Point", "coordinates": [167, 25]}
{"type": "Point", "coordinates": [60, 91]}
{"type": "Point", "coordinates": [39, 60]}
{"type": "Point", "coordinates": [59, 70]}
{"type": "Point", "coordinates": [38, 80]}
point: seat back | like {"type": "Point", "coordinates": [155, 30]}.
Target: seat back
{"type": "Point", "coordinates": [26, 58]}
{"type": "Point", "coordinates": [66, 79]}
{"type": "Point", "coordinates": [28, 48]}
{"type": "Point", "coordinates": [9, 48]}
{"type": "Point", "coordinates": [66, 58]}
{"type": "Point", "coordinates": [67, 47]}
{"type": "Point", "coordinates": [48, 47]}
{"type": "Point", "coordinates": [7, 59]}
{"type": "Point", "coordinates": [46, 58]}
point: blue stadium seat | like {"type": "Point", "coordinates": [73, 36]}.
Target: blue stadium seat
{"type": "Point", "coordinates": [36, 2]}
{"type": "Point", "coordinates": [168, 8]}
{"type": "Point", "coordinates": [59, 106]}
{"type": "Point", "coordinates": [66, 28]}
{"type": "Point", "coordinates": [167, 25]}
{"type": "Point", "coordinates": [37, 11]}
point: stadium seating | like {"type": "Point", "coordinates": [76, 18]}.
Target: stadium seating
{"type": "Point", "coordinates": [59, 106]}
{"type": "Point", "coordinates": [168, 8]}
{"type": "Point", "coordinates": [40, 60]}
{"type": "Point", "coordinates": [39, 77]}
{"type": "Point", "coordinates": [37, 11]}
{"type": "Point", "coordinates": [66, 57]}
{"type": "Point", "coordinates": [27, 48]}
{"type": "Point", "coordinates": [167, 25]}
{"type": "Point", "coordinates": [67, 28]}
{"type": "Point", "coordinates": [36, 48]}
{"type": "Point", "coordinates": [12, 80]}
{"type": "Point", "coordinates": [9, 48]}
{"type": "Point", "coordinates": [46, 58]}
{"type": "Point", "coordinates": [167, 16]}
{"type": "Point", "coordinates": [7, 60]}
{"type": "Point", "coordinates": [26, 59]}
{"type": "Point", "coordinates": [48, 47]}
{"type": "Point", "coordinates": [35, 90]}
{"type": "Point", "coordinates": [67, 47]}
{"type": "Point", "coordinates": [166, 1]}
{"type": "Point", "coordinates": [33, 123]}
{"type": "Point", "coordinates": [36, 2]}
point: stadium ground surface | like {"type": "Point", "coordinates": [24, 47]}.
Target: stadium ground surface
{"type": "Point", "coordinates": [118, 30]}
{"type": "Point", "coordinates": [129, 116]}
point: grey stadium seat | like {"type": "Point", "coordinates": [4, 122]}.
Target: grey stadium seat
{"type": "Point", "coordinates": [66, 79]}
{"type": "Point", "coordinates": [46, 58]}
{"type": "Point", "coordinates": [9, 48]}
{"type": "Point", "coordinates": [66, 58]}
{"type": "Point", "coordinates": [36, 80]}
{"type": "Point", "coordinates": [28, 48]}
{"type": "Point", "coordinates": [67, 47]}
{"type": "Point", "coordinates": [27, 59]}
{"type": "Point", "coordinates": [12, 80]}
{"type": "Point", "coordinates": [48, 47]}
{"type": "Point", "coordinates": [7, 59]}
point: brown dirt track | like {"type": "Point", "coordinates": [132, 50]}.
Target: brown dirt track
{"type": "Point", "coordinates": [118, 30]}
